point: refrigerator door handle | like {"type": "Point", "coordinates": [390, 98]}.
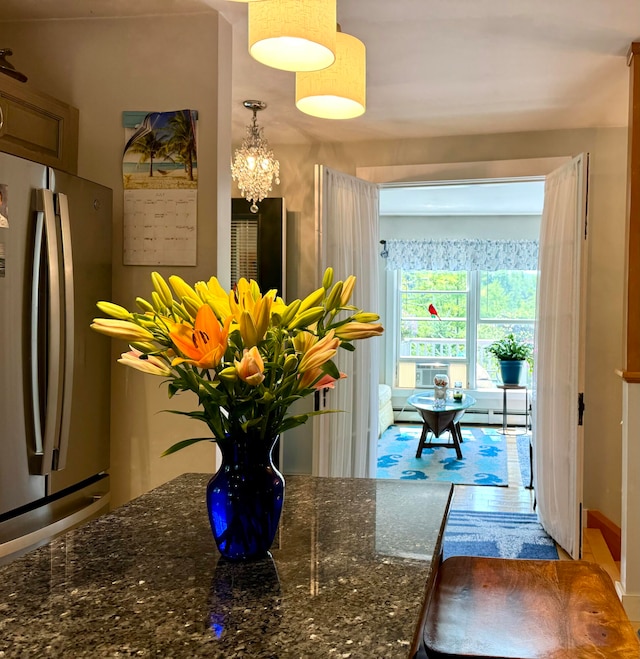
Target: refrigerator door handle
{"type": "Point", "coordinates": [35, 328]}
{"type": "Point", "coordinates": [54, 335]}
{"type": "Point", "coordinates": [60, 457]}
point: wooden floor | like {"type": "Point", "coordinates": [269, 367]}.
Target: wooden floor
{"type": "Point", "coordinates": [516, 498]}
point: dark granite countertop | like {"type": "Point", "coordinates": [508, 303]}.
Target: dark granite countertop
{"type": "Point", "coordinates": [347, 578]}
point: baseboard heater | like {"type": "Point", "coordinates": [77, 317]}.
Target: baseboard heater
{"type": "Point", "coordinates": [472, 416]}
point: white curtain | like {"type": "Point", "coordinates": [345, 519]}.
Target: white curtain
{"type": "Point", "coordinates": [557, 445]}
{"type": "Point", "coordinates": [462, 254]}
{"type": "Point", "coordinates": [345, 441]}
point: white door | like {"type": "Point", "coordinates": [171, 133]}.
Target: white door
{"type": "Point", "coordinates": [344, 443]}
{"type": "Point", "coordinates": [559, 360]}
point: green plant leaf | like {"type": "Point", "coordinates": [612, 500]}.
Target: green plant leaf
{"type": "Point", "coordinates": [186, 442]}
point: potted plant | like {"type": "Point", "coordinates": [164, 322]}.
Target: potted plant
{"type": "Point", "coordinates": [514, 357]}
{"type": "Point", "coordinates": [247, 356]}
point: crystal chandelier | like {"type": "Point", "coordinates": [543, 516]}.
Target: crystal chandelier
{"type": "Point", "coordinates": [254, 165]}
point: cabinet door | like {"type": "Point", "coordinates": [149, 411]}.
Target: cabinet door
{"type": "Point", "coordinates": [38, 127]}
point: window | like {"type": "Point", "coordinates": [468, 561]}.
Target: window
{"type": "Point", "coordinates": [470, 250]}
{"type": "Point", "coordinates": [447, 320]}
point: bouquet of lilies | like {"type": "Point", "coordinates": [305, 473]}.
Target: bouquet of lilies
{"type": "Point", "coordinates": [246, 355]}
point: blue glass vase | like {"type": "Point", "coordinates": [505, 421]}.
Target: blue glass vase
{"type": "Point", "coordinates": [245, 497]}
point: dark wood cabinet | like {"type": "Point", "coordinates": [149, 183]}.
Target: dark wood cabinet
{"type": "Point", "coordinates": [38, 127]}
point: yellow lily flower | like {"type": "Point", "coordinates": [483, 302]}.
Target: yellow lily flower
{"type": "Point", "coordinates": [251, 310]}
{"type": "Point", "coordinates": [205, 343]}
{"type": "Point", "coordinates": [215, 296]}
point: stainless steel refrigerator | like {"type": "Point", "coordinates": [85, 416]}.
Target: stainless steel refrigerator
{"type": "Point", "coordinates": [55, 264]}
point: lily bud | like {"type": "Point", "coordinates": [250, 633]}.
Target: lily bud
{"type": "Point", "coordinates": [144, 305]}
{"type": "Point", "coordinates": [307, 318]}
{"type": "Point", "coordinates": [333, 301]}
{"type": "Point", "coordinates": [290, 364]}
{"type": "Point", "coordinates": [162, 289]}
{"type": "Point", "coordinates": [290, 311]}
{"type": "Point", "coordinates": [181, 287]}
{"type": "Point", "coordinates": [365, 317]}
{"type": "Point", "coordinates": [114, 310]}
{"type": "Point", "coordinates": [192, 305]}
{"type": "Point", "coordinates": [143, 346]}
{"type": "Point", "coordinates": [156, 301]}
{"type": "Point", "coordinates": [182, 312]}
{"type": "Point", "coordinates": [327, 279]}
{"type": "Point", "coordinates": [121, 329]}
{"type": "Point", "coordinates": [145, 363]}
{"type": "Point", "coordinates": [228, 374]}
{"type": "Point", "coordinates": [347, 290]}
{"type": "Point", "coordinates": [251, 367]}
{"type": "Point", "coordinates": [312, 300]}
{"type": "Point", "coordinates": [352, 331]}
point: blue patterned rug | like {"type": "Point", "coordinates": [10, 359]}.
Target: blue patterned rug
{"type": "Point", "coordinates": [498, 535]}
{"type": "Point", "coordinates": [484, 457]}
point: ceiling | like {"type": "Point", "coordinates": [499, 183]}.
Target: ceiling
{"type": "Point", "coordinates": [434, 67]}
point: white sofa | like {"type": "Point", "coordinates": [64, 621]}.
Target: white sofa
{"type": "Point", "coordinates": [385, 408]}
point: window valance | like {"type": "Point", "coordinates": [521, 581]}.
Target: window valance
{"type": "Point", "coordinates": [463, 254]}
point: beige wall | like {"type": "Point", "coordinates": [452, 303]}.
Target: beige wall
{"type": "Point", "coordinates": [159, 63]}
{"type": "Point", "coordinates": [602, 471]}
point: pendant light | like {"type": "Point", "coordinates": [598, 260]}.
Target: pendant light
{"type": "Point", "coordinates": [293, 35]}
{"type": "Point", "coordinates": [254, 166]}
{"type": "Point", "coordinates": [339, 91]}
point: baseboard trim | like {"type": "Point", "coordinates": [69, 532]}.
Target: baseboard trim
{"type": "Point", "coordinates": [631, 603]}
{"type": "Point", "coordinates": [611, 532]}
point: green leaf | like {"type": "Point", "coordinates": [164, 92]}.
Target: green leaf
{"type": "Point", "coordinates": [330, 369]}
{"type": "Point", "coordinates": [293, 422]}
{"type": "Point", "coordinates": [186, 442]}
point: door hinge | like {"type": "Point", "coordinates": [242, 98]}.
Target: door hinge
{"type": "Point", "coordinates": [580, 407]}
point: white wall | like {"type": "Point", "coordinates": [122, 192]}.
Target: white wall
{"type": "Point", "coordinates": [158, 63]}
{"type": "Point", "coordinates": [452, 227]}
{"type": "Point", "coordinates": [608, 149]}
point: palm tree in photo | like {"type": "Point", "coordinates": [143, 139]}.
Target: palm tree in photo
{"type": "Point", "coordinates": [149, 147]}
{"type": "Point", "coordinates": [182, 142]}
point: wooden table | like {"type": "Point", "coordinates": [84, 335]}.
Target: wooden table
{"type": "Point", "coordinates": [438, 419]}
{"type": "Point", "coordinates": [482, 608]}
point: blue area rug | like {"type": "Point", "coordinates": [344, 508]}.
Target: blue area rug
{"type": "Point", "coordinates": [484, 457]}
{"type": "Point", "coordinates": [497, 535]}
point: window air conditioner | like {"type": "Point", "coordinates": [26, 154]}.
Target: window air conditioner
{"type": "Point", "coordinates": [426, 372]}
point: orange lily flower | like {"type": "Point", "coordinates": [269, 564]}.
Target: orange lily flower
{"type": "Point", "coordinates": [251, 368]}
{"type": "Point", "coordinates": [205, 343]}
